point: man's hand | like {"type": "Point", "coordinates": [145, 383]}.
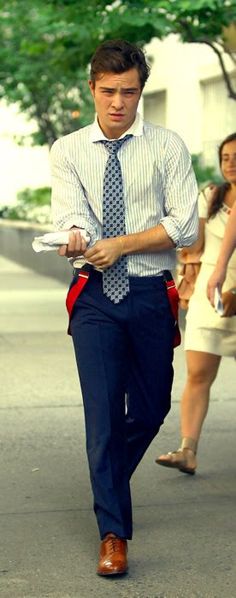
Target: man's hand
{"type": "Point", "coordinates": [105, 252]}
{"type": "Point", "coordinates": [76, 246]}
{"type": "Point", "coordinates": [229, 303]}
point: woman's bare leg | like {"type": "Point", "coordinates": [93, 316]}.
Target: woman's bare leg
{"type": "Point", "coordinates": [202, 369]}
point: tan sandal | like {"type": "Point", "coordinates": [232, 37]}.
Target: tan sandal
{"type": "Point", "coordinates": [184, 459]}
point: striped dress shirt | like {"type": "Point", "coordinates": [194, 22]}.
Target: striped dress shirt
{"type": "Point", "coordinates": [159, 188]}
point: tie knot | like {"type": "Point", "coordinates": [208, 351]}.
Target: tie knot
{"type": "Point", "coordinates": [114, 146]}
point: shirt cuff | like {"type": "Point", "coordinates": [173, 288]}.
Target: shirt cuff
{"type": "Point", "coordinates": [172, 231]}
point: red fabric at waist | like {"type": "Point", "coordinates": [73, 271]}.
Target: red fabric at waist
{"type": "Point", "coordinates": [172, 293]}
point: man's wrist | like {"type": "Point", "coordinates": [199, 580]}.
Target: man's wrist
{"type": "Point", "coordinates": [121, 245]}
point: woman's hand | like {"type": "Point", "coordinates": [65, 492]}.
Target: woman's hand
{"type": "Point", "coordinates": [229, 303]}
{"type": "Point", "coordinates": [216, 280]}
{"type": "Point", "coordinates": [105, 252]}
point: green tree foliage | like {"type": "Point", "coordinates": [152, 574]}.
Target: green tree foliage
{"type": "Point", "coordinates": [33, 205]}
{"type": "Point", "coordinates": [47, 45]}
{"type": "Point", "coordinates": [204, 174]}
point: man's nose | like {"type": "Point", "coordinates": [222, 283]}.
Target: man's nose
{"type": "Point", "coordinates": [117, 101]}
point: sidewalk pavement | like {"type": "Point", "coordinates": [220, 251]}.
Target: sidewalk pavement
{"type": "Point", "coordinates": [184, 542]}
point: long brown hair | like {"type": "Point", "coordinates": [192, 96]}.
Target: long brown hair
{"type": "Point", "coordinates": [220, 190]}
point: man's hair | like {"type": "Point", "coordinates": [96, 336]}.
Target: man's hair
{"type": "Point", "coordinates": [118, 56]}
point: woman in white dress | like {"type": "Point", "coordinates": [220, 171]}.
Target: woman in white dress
{"type": "Point", "coordinates": [228, 245]}
{"type": "Point", "coordinates": [208, 335]}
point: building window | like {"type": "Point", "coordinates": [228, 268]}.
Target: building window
{"type": "Point", "coordinates": [218, 118]}
{"type": "Point", "coordinates": [154, 107]}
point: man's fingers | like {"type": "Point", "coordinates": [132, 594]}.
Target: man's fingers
{"type": "Point", "coordinates": [98, 257]}
{"type": "Point", "coordinates": [76, 245]}
{"type": "Point", "coordinates": [62, 250]}
{"type": "Point", "coordinates": [91, 252]}
{"type": "Point", "coordinates": [74, 241]}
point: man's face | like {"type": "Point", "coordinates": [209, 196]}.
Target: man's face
{"type": "Point", "coordinates": [116, 98]}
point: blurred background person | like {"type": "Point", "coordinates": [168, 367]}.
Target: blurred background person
{"type": "Point", "coordinates": [208, 336]}
{"type": "Point", "coordinates": [218, 276]}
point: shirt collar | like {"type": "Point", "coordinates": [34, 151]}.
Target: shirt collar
{"type": "Point", "coordinates": [136, 130]}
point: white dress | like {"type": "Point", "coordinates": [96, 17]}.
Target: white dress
{"type": "Point", "coordinates": [205, 330]}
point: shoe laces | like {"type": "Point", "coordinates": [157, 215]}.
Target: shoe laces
{"type": "Point", "coordinates": [113, 544]}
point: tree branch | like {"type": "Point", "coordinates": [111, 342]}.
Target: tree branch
{"type": "Point", "coordinates": [192, 40]}
{"type": "Point", "coordinates": [231, 91]}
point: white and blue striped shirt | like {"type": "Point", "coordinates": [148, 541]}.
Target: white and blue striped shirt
{"type": "Point", "coordinates": [159, 188]}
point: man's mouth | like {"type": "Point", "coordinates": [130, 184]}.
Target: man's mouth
{"type": "Point", "coordinates": [117, 115]}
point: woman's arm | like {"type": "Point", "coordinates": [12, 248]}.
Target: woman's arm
{"type": "Point", "coordinates": [228, 245]}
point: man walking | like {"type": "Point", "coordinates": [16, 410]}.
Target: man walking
{"type": "Point", "coordinates": [130, 187]}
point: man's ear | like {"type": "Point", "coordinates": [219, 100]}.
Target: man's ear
{"type": "Point", "coordinates": [92, 87]}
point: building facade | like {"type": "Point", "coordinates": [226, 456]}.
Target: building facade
{"type": "Point", "coordinates": [186, 92]}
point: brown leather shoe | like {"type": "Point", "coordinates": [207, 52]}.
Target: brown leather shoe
{"type": "Point", "coordinates": [113, 556]}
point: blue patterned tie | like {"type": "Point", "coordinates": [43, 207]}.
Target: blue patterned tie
{"type": "Point", "coordinates": [115, 278]}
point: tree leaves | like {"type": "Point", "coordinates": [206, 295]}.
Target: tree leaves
{"type": "Point", "coordinates": [46, 48]}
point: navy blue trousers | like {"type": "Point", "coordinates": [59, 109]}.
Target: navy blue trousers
{"type": "Point", "coordinates": [124, 356]}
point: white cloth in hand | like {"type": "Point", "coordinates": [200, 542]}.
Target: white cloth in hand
{"type": "Point", "coordinates": [52, 241]}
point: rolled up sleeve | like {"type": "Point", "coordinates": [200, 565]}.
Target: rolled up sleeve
{"type": "Point", "coordinates": [180, 195]}
{"type": "Point", "coordinates": [68, 200]}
